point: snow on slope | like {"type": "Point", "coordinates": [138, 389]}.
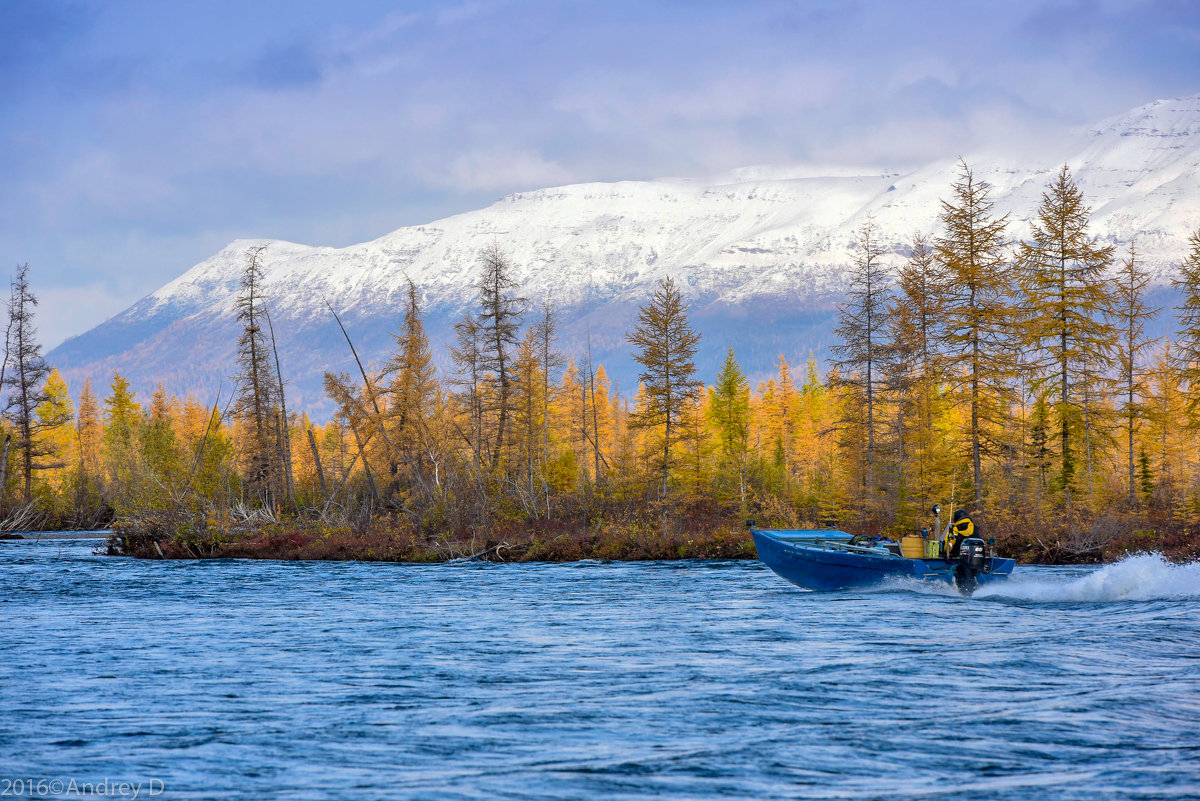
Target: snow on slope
{"type": "Point", "coordinates": [762, 242]}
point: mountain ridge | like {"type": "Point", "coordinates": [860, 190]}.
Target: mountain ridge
{"type": "Point", "coordinates": [766, 244]}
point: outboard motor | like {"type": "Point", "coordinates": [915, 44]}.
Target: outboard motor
{"type": "Point", "coordinates": [972, 560]}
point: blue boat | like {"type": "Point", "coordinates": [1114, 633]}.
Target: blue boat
{"type": "Point", "coordinates": [826, 560]}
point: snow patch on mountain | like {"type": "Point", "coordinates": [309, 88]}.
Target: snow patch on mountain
{"type": "Point", "coordinates": [768, 244]}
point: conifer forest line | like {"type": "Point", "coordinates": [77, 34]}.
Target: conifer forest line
{"type": "Point", "coordinates": [1014, 379]}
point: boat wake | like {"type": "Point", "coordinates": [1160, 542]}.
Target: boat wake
{"type": "Point", "coordinates": [1143, 577]}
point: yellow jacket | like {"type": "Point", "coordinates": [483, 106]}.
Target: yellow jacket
{"type": "Point", "coordinates": [955, 534]}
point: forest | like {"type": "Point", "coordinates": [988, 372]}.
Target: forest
{"type": "Point", "coordinates": [1012, 378]}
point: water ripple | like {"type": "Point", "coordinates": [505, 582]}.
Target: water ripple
{"type": "Point", "coordinates": [688, 680]}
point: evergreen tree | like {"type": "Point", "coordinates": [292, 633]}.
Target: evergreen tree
{"type": "Point", "coordinates": [412, 388]}
{"type": "Point", "coordinates": [1039, 450]}
{"type": "Point", "coordinates": [199, 443]}
{"type": "Point", "coordinates": [625, 466]}
{"type": "Point", "coordinates": [86, 498]}
{"type": "Point", "coordinates": [333, 449]}
{"type": "Point", "coordinates": [118, 444]}
{"type": "Point", "coordinates": [88, 431]}
{"type": "Point", "coordinates": [159, 444]}
{"type": "Point", "coordinates": [899, 365]}
{"type": "Point", "coordinates": [1132, 312]}
{"type": "Point", "coordinates": [1063, 274]}
{"type": "Point", "coordinates": [862, 321]}
{"type": "Point", "coordinates": [850, 469]}
{"type": "Point", "coordinates": [1166, 415]}
{"type": "Point", "coordinates": [256, 383]}
{"type": "Point", "coordinates": [546, 331]}
{"type": "Point", "coordinates": [919, 308]}
{"type": "Point", "coordinates": [352, 409]}
{"type": "Point", "coordinates": [694, 447]}
{"type": "Point", "coordinates": [1187, 344]}
{"type": "Point", "coordinates": [1145, 476]}
{"type": "Point", "coordinates": [782, 407]}
{"type": "Point", "coordinates": [468, 357]}
{"type": "Point", "coordinates": [603, 412]}
{"type": "Point", "coordinates": [729, 411]}
{"type": "Point", "coordinates": [527, 391]}
{"type": "Point", "coordinates": [498, 322]}
{"type": "Point", "coordinates": [575, 422]}
{"type": "Point", "coordinates": [211, 456]}
{"type": "Point", "coordinates": [666, 350]}
{"type": "Point", "coordinates": [55, 439]}
{"type": "Point", "coordinates": [978, 314]}
{"type": "Point", "coordinates": [25, 378]}
{"type": "Point", "coordinates": [815, 442]}
{"type": "Point", "coordinates": [591, 408]}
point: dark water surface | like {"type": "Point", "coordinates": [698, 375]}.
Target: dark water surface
{"type": "Point", "coordinates": [688, 680]}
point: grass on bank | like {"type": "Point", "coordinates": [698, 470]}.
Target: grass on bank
{"type": "Point", "coordinates": [637, 535]}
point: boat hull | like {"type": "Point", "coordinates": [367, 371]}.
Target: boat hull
{"type": "Point", "coordinates": [807, 564]}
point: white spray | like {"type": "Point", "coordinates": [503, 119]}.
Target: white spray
{"type": "Point", "coordinates": [1143, 577]}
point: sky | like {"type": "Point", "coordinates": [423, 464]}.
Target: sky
{"type": "Point", "coordinates": [138, 138]}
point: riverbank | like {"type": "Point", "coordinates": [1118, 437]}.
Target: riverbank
{"type": "Point", "coordinates": [1099, 542]}
{"type": "Point", "coordinates": [640, 538]}
{"type": "Point", "coordinates": [386, 541]}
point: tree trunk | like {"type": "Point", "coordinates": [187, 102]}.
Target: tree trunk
{"type": "Point", "coordinates": [312, 443]}
{"type": "Point", "coordinates": [1130, 420]}
{"type": "Point", "coordinates": [667, 440]}
{"type": "Point", "coordinates": [366, 465]}
{"type": "Point", "coordinates": [370, 392]}
{"type": "Point", "coordinates": [4, 468]}
{"type": "Point", "coordinates": [870, 429]}
{"type": "Point", "coordinates": [595, 418]}
{"type": "Point", "coordinates": [976, 463]}
{"type": "Point", "coordinates": [289, 482]}
{"type": "Point", "coordinates": [1068, 467]}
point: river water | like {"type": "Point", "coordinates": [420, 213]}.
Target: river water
{"type": "Point", "coordinates": [677, 680]}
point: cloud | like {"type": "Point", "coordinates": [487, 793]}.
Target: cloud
{"type": "Point", "coordinates": [729, 95]}
{"type": "Point", "coordinates": [499, 171]}
{"type": "Point", "coordinates": [136, 135]}
{"type": "Point", "coordinates": [463, 12]}
{"type": "Point", "coordinates": [96, 182]}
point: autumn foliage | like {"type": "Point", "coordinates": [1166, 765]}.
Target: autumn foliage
{"type": "Point", "coordinates": [1013, 378]}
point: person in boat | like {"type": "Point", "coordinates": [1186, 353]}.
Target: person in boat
{"type": "Point", "coordinates": [960, 528]}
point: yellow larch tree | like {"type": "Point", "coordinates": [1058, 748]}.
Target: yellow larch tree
{"type": "Point", "coordinates": [54, 438]}
{"type": "Point", "coordinates": [978, 316]}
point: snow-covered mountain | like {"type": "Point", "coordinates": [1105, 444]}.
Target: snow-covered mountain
{"type": "Point", "coordinates": [761, 254]}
